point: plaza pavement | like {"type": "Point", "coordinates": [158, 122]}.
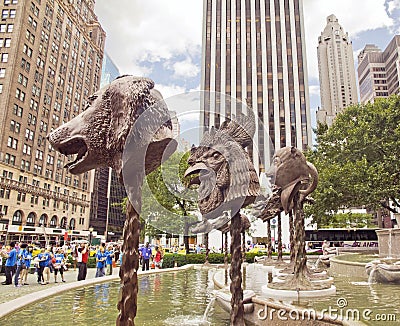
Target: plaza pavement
{"type": "Point", "coordinates": [10, 292]}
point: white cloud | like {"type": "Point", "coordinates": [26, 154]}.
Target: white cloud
{"type": "Point", "coordinates": [393, 5]}
{"type": "Point", "coordinates": [353, 16]}
{"type": "Point", "coordinates": [185, 69]}
{"type": "Point", "coordinates": [313, 90]}
{"type": "Point", "coordinates": [170, 90]}
{"type": "Point", "coordinates": [149, 30]}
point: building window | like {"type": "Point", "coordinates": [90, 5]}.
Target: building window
{"type": "Point", "coordinates": [63, 223]}
{"type": "Point", "coordinates": [30, 220]}
{"type": "Point", "coordinates": [17, 218]}
{"type": "Point", "coordinates": [20, 95]}
{"type": "Point", "coordinates": [12, 142]}
{"type": "Point", "coordinates": [4, 57]}
{"type": "Point", "coordinates": [25, 165]}
{"type": "Point", "coordinates": [21, 196]}
{"type": "Point", "coordinates": [9, 159]}
{"type": "Point", "coordinates": [27, 149]}
{"type": "Point", "coordinates": [5, 42]}
{"type": "Point", "coordinates": [53, 221]}
{"type": "Point", "coordinates": [15, 126]}
{"type": "Point", "coordinates": [17, 110]}
{"type": "Point", "coordinates": [43, 220]}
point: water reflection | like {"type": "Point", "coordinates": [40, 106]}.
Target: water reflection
{"type": "Point", "coordinates": [178, 298]}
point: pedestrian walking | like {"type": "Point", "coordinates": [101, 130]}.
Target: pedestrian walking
{"type": "Point", "coordinates": [146, 255]}
{"type": "Point", "coordinates": [101, 258]}
{"type": "Point", "coordinates": [59, 265]}
{"type": "Point", "coordinates": [10, 265]}
{"type": "Point", "coordinates": [25, 272]}
{"type": "Point", "coordinates": [21, 265]}
{"type": "Point", "coordinates": [82, 259]}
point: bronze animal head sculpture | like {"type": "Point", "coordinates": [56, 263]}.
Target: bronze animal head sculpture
{"type": "Point", "coordinates": [292, 174]}
{"type": "Point", "coordinates": [126, 126]}
{"type": "Point", "coordinates": [98, 134]}
{"type": "Point", "coordinates": [226, 176]}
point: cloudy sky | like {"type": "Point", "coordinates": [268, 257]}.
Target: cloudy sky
{"type": "Point", "coordinates": [161, 39]}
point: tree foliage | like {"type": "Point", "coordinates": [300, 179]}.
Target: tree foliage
{"type": "Point", "coordinates": [357, 160]}
{"type": "Point", "coordinates": [167, 205]}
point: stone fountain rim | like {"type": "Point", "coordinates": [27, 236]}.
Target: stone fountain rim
{"type": "Point", "coordinates": [337, 259]}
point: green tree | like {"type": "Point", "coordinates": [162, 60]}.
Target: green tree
{"type": "Point", "coordinates": [167, 205]}
{"type": "Point", "coordinates": [357, 160]}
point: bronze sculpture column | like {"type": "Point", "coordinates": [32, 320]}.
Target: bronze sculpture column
{"type": "Point", "coordinates": [227, 182]}
{"type": "Point", "coordinates": [127, 112]}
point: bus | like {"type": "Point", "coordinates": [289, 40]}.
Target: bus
{"type": "Point", "coordinates": [342, 237]}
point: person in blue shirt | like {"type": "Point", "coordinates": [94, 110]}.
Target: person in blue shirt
{"type": "Point", "coordinates": [28, 258]}
{"type": "Point", "coordinates": [10, 266]}
{"type": "Point", "coordinates": [109, 260]}
{"type": "Point", "coordinates": [42, 264]}
{"type": "Point", "coordinates": [146, 255]}
{"type": "Point", "coordinates": [59, 264]}
{"type": "Point", "coordinates": [48, 265]}
{"type": "Point", "coordinates": [101, 262]}
{"type": "Point", "coordinates": [20, 263]}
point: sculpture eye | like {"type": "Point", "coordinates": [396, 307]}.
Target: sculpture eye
{"type": "Point", "coordinates": [216, 155]}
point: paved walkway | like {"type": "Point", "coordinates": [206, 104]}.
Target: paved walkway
{"type": "Point", "coordinates": [10, 292]}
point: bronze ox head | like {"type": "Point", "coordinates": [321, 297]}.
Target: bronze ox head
{"type": "Point", "coordinates": [292, 173]}
{"type": "Point", "coordinates": [99, 133]}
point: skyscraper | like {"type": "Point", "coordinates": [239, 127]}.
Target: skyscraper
{"type": "Point", "coordinates": [378, 72]}
{"type": "Point", "coordinates": [50, 62]}
{"type": "Point", "coordinates": [255, 49]}
{"type": "Point", "coordinates": [337, 77]}
{"type": "Point", "coordinates": [371, 74]}
{"type": "Point", "coordinates": [106, 214]}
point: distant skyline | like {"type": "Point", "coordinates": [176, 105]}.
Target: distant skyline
{"type": "Point", "coordinates": [162, 39]}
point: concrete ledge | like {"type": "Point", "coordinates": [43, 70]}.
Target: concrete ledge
{"type": "Point", "coordinates": [16, 304]}
{"type": "Point", "coordinates": [296, 295]}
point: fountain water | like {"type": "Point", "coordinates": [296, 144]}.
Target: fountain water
{"type": "Point", "coordinates": [210, 304]}
{"type": "Point", "coordinates": [372, 275]}
{"type": "Point", "coordinates": [386, 269]}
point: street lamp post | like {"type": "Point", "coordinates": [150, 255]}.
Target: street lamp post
{"type": "Point", "coordinates": [273, 226]}
{"type": "Point", "coordinates": [90, 235]}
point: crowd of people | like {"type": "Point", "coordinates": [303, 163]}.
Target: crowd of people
{"type": "Point", "coordinates": [20, 260]}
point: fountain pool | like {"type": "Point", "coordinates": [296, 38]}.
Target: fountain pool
{"type": "Point", "coordinates": [174, 298]}
{"type": "Point", "coordinates": [181, 298]}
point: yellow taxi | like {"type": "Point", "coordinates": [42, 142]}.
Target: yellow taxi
{"type": "Point", "coordinates": [259, 249]}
